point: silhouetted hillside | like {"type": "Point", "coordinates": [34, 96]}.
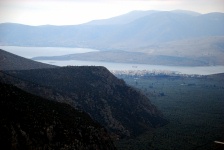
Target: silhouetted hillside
{"type": "Point", "coordinates": [107, 99]}
{"type": "Point", "coordinates": [31, 122]}
{"type": "Point", "coordinates": [9, 61]}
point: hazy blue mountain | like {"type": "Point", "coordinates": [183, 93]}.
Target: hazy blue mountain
{"type": "Point", "coordinates": [168, 26]}
{"type": "Point", "coordinates": [187, 12]}
{"type": "Point", "coordinates": [132, 16]}
{"type": "Point", "coordinates": [122, 19]}
{"type": "Point", "coordinates": [191, 52]}
{"type": "Point", "coordinates": [137, 29]}
{"type": "Point", "coordinates": [132, 57]}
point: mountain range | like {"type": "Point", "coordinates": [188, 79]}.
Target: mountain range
{"type": "Point", "coordinates": [195, 38]}
{"type": "Point", "coordinates": [135, 29]}
{"type": "Point", "coordinates": [132, 16]}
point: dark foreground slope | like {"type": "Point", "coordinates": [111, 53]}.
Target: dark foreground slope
{"type": "Point", "coordinates": [31, 122]}
{"type": "Point", "coordinates": [121, 109]}
{"type": "Point", "coordinates": [9, 61]}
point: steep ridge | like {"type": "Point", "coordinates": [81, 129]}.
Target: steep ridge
{"type": "Point", "coordinates": [122, 19]}
{"type": "Point", "coordinates": [107, 99]}
{"type": "Point", "coordinates": [9, 61]}
{"type": "Point", "coordinates": [134, 15]}
{"type": "Point", "coordinates": [31, 122]}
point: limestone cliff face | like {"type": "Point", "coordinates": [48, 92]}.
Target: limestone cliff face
{"type": "Point", "coordinates": [31, 122]}
{"type": "Point", "coordinates": [107, 99]}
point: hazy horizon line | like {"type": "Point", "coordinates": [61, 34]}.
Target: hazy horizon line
{"type": "Point", "coordinates": [8, 22]}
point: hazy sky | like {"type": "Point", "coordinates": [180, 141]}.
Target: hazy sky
{"type": "Point", "coordinates": [68, 12]}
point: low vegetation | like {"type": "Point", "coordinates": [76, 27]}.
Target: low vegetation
{"type": "Point", "coordinates": [31, 122]}
{"type": "Point", "coordinates": [122, 110]}
{"type": "Point", "coordinates": [194, 107]}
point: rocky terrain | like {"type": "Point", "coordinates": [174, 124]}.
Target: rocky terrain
{"type": "Point", "coordinates": [31, 122]}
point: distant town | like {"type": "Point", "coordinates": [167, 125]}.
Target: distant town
{"type": "Point", "coordinates": [145, 73]}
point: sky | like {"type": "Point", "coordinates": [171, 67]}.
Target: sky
{"type": "Point", "coordinates": [71, 12]}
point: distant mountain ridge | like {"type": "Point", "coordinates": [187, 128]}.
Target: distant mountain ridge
{"type": "Point", "coordinates": [134, 15]}
{"type": "Point", "coordinates": [175, 38]}
{"type": "Point", "coordinates": [134, 29]}
{"type": "Point", "coordinates": [122, 19]}
{"type": "Point", "coordinates": [207, 51]}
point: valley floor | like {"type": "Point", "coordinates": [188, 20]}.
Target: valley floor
{"type": "Point", "coordinates": [194, 107]}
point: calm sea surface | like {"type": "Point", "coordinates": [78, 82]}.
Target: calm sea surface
{"type": "Point", "coordinates": [124, 66]}
{"type": "Point", "coordinates": [29, 52]}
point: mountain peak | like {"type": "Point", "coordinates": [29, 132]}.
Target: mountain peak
{"type": "Point", "coordinates": [187, 12]}
{"type": "Point", "coordinates": [122, 19]}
